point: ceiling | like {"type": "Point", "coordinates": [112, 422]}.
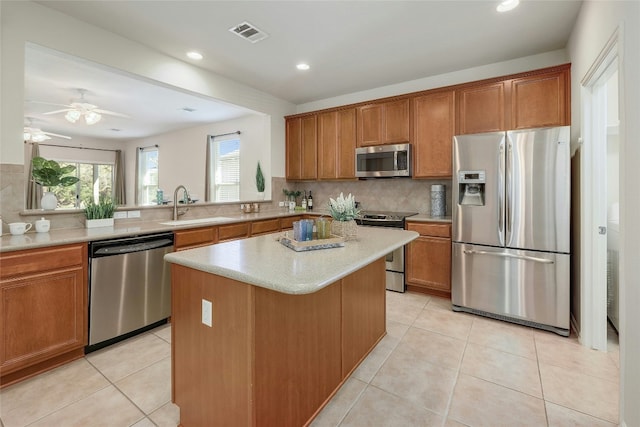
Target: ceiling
{"type": "Point", "coordinates": [350, 46]}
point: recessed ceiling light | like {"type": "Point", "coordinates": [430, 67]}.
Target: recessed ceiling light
{"type": "Point", "coordinates": [194, 55]}
{"type": "Point", "coordinates": [302, 66]}
{"type": "Point", "coordinates": [507, 5]}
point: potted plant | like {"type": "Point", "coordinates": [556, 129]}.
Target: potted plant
{"type": "Point", "coordinates": [260, 182]}
{"type": "Point", "coordinates": [100, 214]}
{"type": "Point", "coordinates": [343, 210]}
{"type": "Point", "coordinates": [49, 174]}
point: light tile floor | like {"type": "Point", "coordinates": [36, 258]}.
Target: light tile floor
{"type": "Point", "coordinates": [435, 367]}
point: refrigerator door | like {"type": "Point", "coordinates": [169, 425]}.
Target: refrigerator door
{"type": "Point", "coordinates": [538, 192]}
{"type": "Point", "coordinates": [521, 286]}
{"type": "Point", "coordinates": [479, 218]}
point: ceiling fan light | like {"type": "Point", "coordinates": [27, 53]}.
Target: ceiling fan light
{"type": "Point", "coordinates": [39, 137]}
{"type": "Point", "coordinates": [92, 117]}
{"type": "Point", "coordinates": [507, 5]}
{"type": "Point", "coordinates": [72, 116]}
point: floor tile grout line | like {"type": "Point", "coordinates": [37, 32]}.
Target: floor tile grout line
{"type": "Point", "coordinates": [455, 383]}
{"type": "Point", "coordinates": [353, 404]}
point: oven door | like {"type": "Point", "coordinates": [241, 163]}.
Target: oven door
{"type": "Point", "coordinates": [395, 270]}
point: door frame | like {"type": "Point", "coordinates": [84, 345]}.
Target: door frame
{"type": "Point", "coordinates": [593, 196]}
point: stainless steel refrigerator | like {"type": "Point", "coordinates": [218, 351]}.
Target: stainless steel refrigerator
{"type": "Point", "coordinates": [511, 213]}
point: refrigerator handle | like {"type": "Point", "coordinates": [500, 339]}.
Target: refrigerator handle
{"type": "Point", "coordinates": [501, 193]}
{"type": "Point", "coordinates": [508, 191]}
{"type": "Point", "coordinates": [506, 255]}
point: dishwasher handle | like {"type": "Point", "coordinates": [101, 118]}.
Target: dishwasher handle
{"type": "Point", "coordinates": [125, 246]}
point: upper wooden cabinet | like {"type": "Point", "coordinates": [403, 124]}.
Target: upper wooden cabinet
{"type": "Point", "coordinates": [433, 129]}
{"type": "Point", "coordinates": [383, 123]}
{"type": "Point", "coordinates": [301, 147]}
{"type": "Point", "coordinates": [537, 99]}
{"type": "Point", "coordinates": [337, 144]}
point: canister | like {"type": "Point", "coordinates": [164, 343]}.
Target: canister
{"type": "Point", "coordinates": [438, 200]}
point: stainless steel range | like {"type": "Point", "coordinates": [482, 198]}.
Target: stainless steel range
{"type": "Point", "coordinates": [395, 259]}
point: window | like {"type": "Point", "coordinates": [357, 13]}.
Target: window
{"type": "Point", "coordinates": [225, 170]}
{"type": "Point", "coordinates": [96, 182]}
{"type": "Point", "coordinates": [147, 176]}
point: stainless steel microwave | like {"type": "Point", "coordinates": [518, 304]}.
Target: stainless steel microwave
{"type": "Point", "coordinates": [383, 161]}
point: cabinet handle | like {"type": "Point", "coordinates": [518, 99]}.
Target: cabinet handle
{"type": "Point", "coordinates": [503, 255]}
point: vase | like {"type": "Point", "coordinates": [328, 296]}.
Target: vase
{"type": "Point", "coordinates": [260, 195]}
{"type": "Point", "coordinates": [346, 229]}
{"type": "Point", "coordinates": [49, 201]}
{"type": "Point", "coordinates": [103, 222]}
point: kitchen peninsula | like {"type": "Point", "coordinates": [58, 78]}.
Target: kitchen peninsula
{"type": "Point", "coordinates": [287, 328]}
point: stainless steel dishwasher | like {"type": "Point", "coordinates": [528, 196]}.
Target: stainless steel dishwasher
{"type": "Point", "coordinates": [129, 287]}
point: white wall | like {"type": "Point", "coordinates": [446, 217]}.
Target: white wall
{"type": "Point", "coordinates": [595, 25]}
{"type": "Point", "coordinates": [182, 156]}
{"type": "Point", "coordinates": [527, 63]}
{"type": "Point", "coordinates": [24, 21]}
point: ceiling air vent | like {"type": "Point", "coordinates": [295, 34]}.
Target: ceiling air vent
{"type": "Point", "coordinates": [249, 32]}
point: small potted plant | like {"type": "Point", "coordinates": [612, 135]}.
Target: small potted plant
{"type": "Point", "coordinates": [260, 182]}
{"type": "Point", "coordinates": [50, 174]}
{"type": "Point", "coordinates": [343, 210]}
{"type": "Point", "coordinates": [99, 214]}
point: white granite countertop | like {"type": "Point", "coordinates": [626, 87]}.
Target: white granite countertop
{"type": "Point", "coordinates": [265, 262]}
{"type": "Point", "coordinates": [429, 218]}
{"type": "Point", "coordinates": [128, 228]}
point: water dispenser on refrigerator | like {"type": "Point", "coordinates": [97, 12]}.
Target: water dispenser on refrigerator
{"type": "Point", "coordinates": [472, 188]}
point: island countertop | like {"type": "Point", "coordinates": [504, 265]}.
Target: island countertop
{"type": "Point", "coordinates": [263, 261]}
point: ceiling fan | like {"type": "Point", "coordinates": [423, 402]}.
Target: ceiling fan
{"type": "Point", "coordinates": [32, 134]}
{"type": "Point", "coordinates": [80, 108]}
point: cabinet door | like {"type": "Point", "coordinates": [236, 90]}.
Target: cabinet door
{"type": "Point", "coordinates": [294, 148]}
{"type": "Point", "coordinates": [433, 134]}
{"type": "Point", "coordinates": [346, 144]}
{"type": "Point", "coordinates": [481, 108]}
{"type": "Point", "coordinates": [396, 121]}
{"type": "Point", "coordinates": [233, 231]}
{"type": "Point", "coordinates": [309, 148]}
{"type": "Point", "coordinates": [337, 144]}
{"type": "Point", "coordinates": [370, 125]}
{"type": "Point", "coordinates": [265, 226]}
{"type": "Point", "coordinates": [539, 101]}
{"type": "Point", "coordinates": [187, 239]}
{"type": "Point", "coordinates": [429, 264]}
{"type": "Point", "coordinates": [43, 316]}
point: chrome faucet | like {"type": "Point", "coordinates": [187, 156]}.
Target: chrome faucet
{"type": "Point", "coordinates": [177, 213]}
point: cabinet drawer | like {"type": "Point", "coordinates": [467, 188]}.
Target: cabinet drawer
{"type": "Point", "coordinates": [233, 231]}
{"type": "Point", "coordinates": [266, 226]}
{"type": "Point", "coordinates": [39, 260]}
{"type": "Point", "coordinates": [198, 237]}
{"type": "Point", "coordinates": [430, 229]}
{"type": "Point", "coordinates": [287, 223]}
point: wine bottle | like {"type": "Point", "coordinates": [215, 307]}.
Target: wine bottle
{"type": "Point", "coordinates": [310, 201]}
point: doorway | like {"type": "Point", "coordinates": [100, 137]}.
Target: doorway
{"type": "Point", "coordinates": [600, 201]}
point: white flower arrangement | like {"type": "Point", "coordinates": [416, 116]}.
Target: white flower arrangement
{"type": "Point", "coordinates": [343, 208]}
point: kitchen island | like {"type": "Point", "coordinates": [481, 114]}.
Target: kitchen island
{"type": "Point", "coordinates": [287, 328]}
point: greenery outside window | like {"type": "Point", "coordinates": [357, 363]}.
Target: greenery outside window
{"type": "Point", "coordinates": [96, 182]}
{"type": "Point", "coordinates": [225, 170]}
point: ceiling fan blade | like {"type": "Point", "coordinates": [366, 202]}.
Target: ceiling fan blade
{"type": "Point", "coordinates": [50, 103]}
{"type": "Point", "coordinates": [111, 113]}
{"type": "Point", "coordinates": [56, 135]}
{"type": "Point", "coordinates": [58, 111]}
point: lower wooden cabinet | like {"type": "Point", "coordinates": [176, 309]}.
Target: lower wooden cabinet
{"type": "Point", "coordinates": [428, 259]}
{"type": "Point", "coordinates": [195, 237]}
{"type": "Point", "coordinates": [43, 309]}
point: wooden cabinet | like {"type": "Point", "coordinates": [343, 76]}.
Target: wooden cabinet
{"type": "Point", "coordinates": [286, 223]}
{"type": "Point", "coordinates": [529, 100]}
{"type": "Point", "coordinates": [428, 259]}
{"type": "Point", "coordinates": [383, 123]}
{"type": "Point", "coordinates": [265, 226]}
{"type": "Point", "coordinates": [233, 231]}
{"type": "Point", "coordinates": [301, 147]}
{"type": "Point", "coordinates": [337, 144]}
{"type": "Point", "coordinates": [433, 130]}
{"type": "Point", "coordinates": [43, 301]}
{"type": "Point", "coordinates": [193, 238]}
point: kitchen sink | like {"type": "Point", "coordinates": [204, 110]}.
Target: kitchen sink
{"type": "Point", "coordinates": [198, 221]}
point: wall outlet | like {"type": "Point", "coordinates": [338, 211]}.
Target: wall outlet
{"type": "Point", "coordinates": [281, 204]}
{"type": "Point", "coordinates": [207, 312]}
{"type": "Point", "coordinates": [119, 215]}
{"type": "Point", "coordinates": [133, 214]}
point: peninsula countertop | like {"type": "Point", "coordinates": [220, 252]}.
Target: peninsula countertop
{"type": "Point", "coordinates": [263, 261]}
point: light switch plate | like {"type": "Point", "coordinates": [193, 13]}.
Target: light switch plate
{"type": "Point", "coordinates": [133, 214]}
{"type": "Point", "coordinates": [119, 215]}
{"type": "Point", "coordinates": [207, 312]}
